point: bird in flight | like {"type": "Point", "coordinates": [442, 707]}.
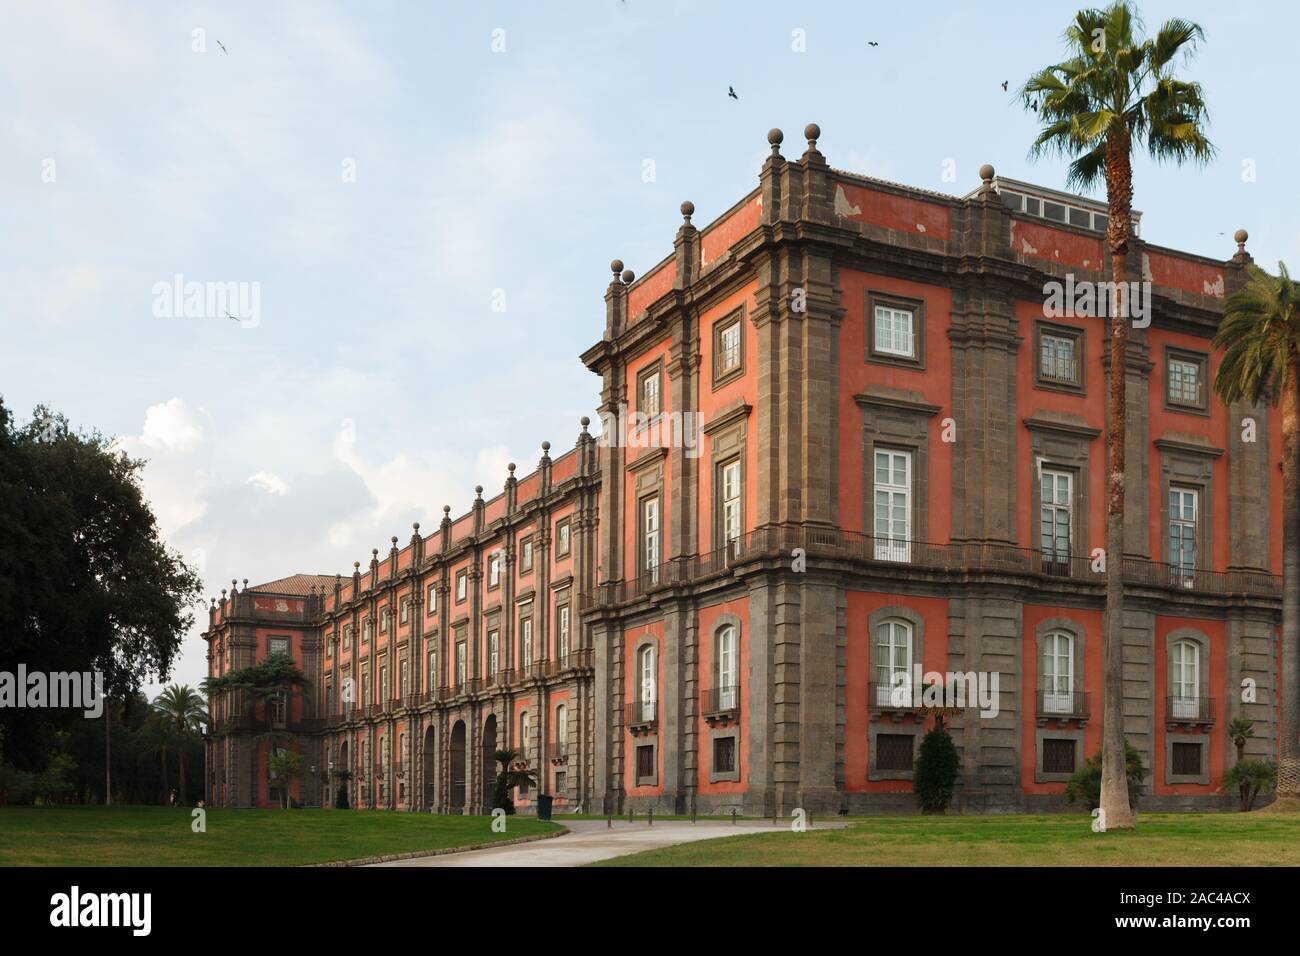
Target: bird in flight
{"type": "Point", "coordinates": [223, 48]}
{"type": "Point", "coordinates": [732, 93]}
{"type": "Point", "coordinates": [1004, 85]}
{"type": "Point", "coordinates": [872, 43]}
{"type": "Point", "coordinates": [232, 317]}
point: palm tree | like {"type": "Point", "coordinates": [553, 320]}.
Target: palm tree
{"type": "Point", "coordinates": [1260, 336]}
{"type": "Point", "coordinates": [514, 773]}
{"type": "Point", "coordinates": [1113, 91]}
{"type": "Point", "coordinates": [184, 712]}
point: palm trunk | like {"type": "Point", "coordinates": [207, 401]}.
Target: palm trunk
{"type": "Point", "coordinates": [1117, 814]}
{"type": "Point", "coordinates": [1289, 764]}
{"type": "Point", "coordinates": [163, 751]}
{"type": "Point", "coordinates": [181, 748]}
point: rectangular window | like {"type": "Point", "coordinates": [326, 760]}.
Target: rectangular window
{"type": "Point", "coordinates": [1183, 515]}
{"type": "Point", "coordinates": [561, 780]}
{"type": "Point", "coordinates": [1185, 380]}
{"type": "Point", "coordinates": [724, 755]}
{"type": "Point", "coordinates": [562, 632]}
{"type": "Point", "coordinates": [460, 663]}
{"type": "Point", "coordinates": [365, 631]}
{"type": "Point", "coordinates": [383, 682]}
{"type": "Point", "coordinates": [894, 751]}
{"type": "Point", "coordinates": [347, 637]}
{"type": "Point", "coordinates": [405, 613]}
{"type": "Point", "coordinates": [494, 652]}
{"type": "Point", "coordinates": [432, 680]}
{"type": "Point", "coordinates": [405, 678]}
{"type": "Point", "coordinates": [365, 687]}
{"type": "Point", "coordinates": [1058, 358]}
{"type": "Point", "coordinates": [895, 334]}
{"type": "Point", "coordinates": [1186, 759]}
{"type": "Point", "coordinates": [562, 538]}
{"type": "Point", "coordinates": [462, 586]}
{"type": "Point", "coordinates": [494, 569]}
{"type": "Point", "coordinates": [1054, 211]}
{"type": "Point", "coordinates": [1058, 755]}
{"type": "Point", "coordinates": [648, 398]}
{"type": "Point", "coordinates": [383, 620]}
{"type": "Point", "coordinates": [1056, 519]}
{"type": "Point", "coordinates": [526, 555]}
{"type": "Point", "coordinates": [431, 599]}
{"type": "Point", "coordinates": [729, 501]}
{"type": "Point", "coordinates": [650, 537]}
{"type": "Point", "coordinates": [726, 350]}
{"type": "Point", "coordinates": [893, 505]}
{"type": "Point", "coordinates": [277, 645]}
{"type": "Point", "coordinates": [1080, 217]}
{"type": "Point", "coordinates": [526, 641]}
{"type": "Point", "coordinates": [645, 763]}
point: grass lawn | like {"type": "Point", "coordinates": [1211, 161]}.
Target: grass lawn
{"type": "Point", "coordinates": [161, 836]}
{"type": "Point", "coordinates": [1161, 839]}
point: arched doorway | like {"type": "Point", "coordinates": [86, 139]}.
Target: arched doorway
{"type": "Point", "coordinates": [457, 753]}
{"type": "Point", "coordinates": [429, 766]}
{"type": "Point", "coordinates": [489, 761]}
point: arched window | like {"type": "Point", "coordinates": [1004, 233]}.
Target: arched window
{"type": "Point", "coordinates": [561, 725]}
{"type": "Point", "coordinates": [646, 677]}
{"type": "Point", "coordinates": [1057, 676]}
{"type": "Point", "coordinates": [893, 658]}
{"type": "Point", "coordinates": [1185, 679]}
{"type": "Point", "coordinates": [728, 651]}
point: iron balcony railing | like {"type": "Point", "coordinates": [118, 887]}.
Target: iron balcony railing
{"type": "Point", "coordinates": [1069, 704]}
{"type": "Point", "coordinates": [722, 701]}
{"type": "Point", "coordinates": [882, 696]}
{"type": "Point", "coordinates": [558, 749]}
{"type": "Point", "coordinates": [1190, 710]}
{"type": "Point", "coordinates": [950, 558]}
{"type": "Point", "coordinates": [642, 713]}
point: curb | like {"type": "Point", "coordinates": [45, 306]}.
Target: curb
{"type": "Point", "coordinates": [392, 857]}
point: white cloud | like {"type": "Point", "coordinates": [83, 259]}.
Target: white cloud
{"type": "Point", "coordinates": [173, 426]}
{"type": "Point", "coordinates": [271, 484]}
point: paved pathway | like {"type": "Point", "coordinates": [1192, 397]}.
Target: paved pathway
{"type": "Point", "coordinates": [592, 840]}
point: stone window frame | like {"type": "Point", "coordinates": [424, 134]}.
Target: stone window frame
{"type": "Point", "coordinates": [462, 577]}
{"type": "Point", "coordinates": [647, 641]}
{"type": "Point", "coordinates": [901, 303]}
{"type": "Point", "coordinates": [1043, 733]}
{"type": "Point", "coordinates": [651, 741]}
{"type": "Point", "coordinates": [715, 635]}
{"type": "Point", "coordinates": [1061, 446]}
{"type": "Point", "coordinates": [526, 547]}
{"type": "Point", "coordinates": [563, 602]}
{"type": "Point", "coordinates": [385, 613]}
{"type": "Point", "coordinates": [735, 317]}
{"type": "Point", "coordinates": [1202, 359]}
{"type": "Point", "coordinates": [875, 725]}
{"type": "Point", "coordinates": [641, 500]}
{"type": "Point", "coordinates": [1203, 682]}
{"type": "Point", "coordinates": [288, 642]}
{"type": "Point", "coordinates": [367, 627]}
{"type": "Point", "coordinates": [1079, 636]}
{"type": "Point", "coordinates": [497, 555]}
{"type": "Point", "coordinates": [431, 599]}
{"type": "Point", "coordinates": [404, 610]}
{"type": "Point", "coordinates": [896, 423]}
{"type": "Point", "coordinates": [1184, 465]}
{"type": "Point", "coordinates": [1199, 740]}
{"type": "Point", "coordinates": [655, 368]}
{"type": "Point", "coordinates": [728, 436]}
{"type": "Point", "coordinates": [567, 523]}
{"type": "Point", "coordinates": [1041, 327]}
{"type": "Point", "coordinates": [724, 776]}
{"type": "Point", "coordinates": [524, 615]}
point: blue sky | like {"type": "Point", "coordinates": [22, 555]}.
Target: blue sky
{"type": "Point", "coordinates": [379, 383]}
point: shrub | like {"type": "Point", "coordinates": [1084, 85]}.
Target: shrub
{"type": "Point", "coordinates": [1085, 785]}
{"type": "Point", "coordinates": [1251, 778]}
{"type": "Point", "coordinates": [935, 778]}
{"type": "Point", "coordinates": [341, 791]}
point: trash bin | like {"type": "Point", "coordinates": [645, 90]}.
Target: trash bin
{"type": "Point", "coordinates": [544, 801]}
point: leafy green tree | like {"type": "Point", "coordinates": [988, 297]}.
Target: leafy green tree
{"type": "Point", "coordinates": [1251, 778]}
{"type": "Point", "coordinates": [285, 767]}
{"type": "Point", "coordinates": [185, 714]}
{"type": "Point", "coordinates": [935, 778]}
{"type": "Point", "coordinates": [1086, 784]}
{"type": "Point", "coordinates": [1260, 336]}
{"type": "Point", "coordinates": [1114, 91]}
{"type": "Point", "coordinates": [86, 583]}
{"type": "Point", "coordinates": [1240, 730]}
{"type": "Point", "coordinates": [514, 772]}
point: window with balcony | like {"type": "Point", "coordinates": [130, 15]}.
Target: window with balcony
{"type": "Point", "coordinates": [432, 679]}
{"type": "Point", "coordinates": [1060, 357]}
{"type": "Point", "coordinates": [728, 669]}
{"type": "Point", "coordinates": [647, 682]}
{"type": "Point", "coordinates": [728, 496]}
{"type": "Point", "coordinates": [1057, 673]}
{"type": "Point", "coordinates": [526, 642]}
{"type": "Point", "coordinates": [461, 663]}
{"type": "Point", "coordinates": [365, 687]}
{"type": "Point", "coordinates": [650, 537]}
{"type": "Point", "coordinates": [893, 663]}
{"type": "Point", "coordinates": [1185, 681]}
{"type": "Point", "coordinates": [1056, 519]}
{"type": "Point", "coordinates": [893, 505]}
{"type": "Point", "coordinates": [383, 683]}
{"type": "Point", "coordinates": [1183, 516]}
{"type": "Point", "coordinates": [494, 652]}
{"type": "Point", "coordinates": [404, 677]}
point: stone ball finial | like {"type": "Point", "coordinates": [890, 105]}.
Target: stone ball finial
{"type": "Point", "coordinates": [775, 138]}
{"type": "Point", "coordinates": [628, 276]}
{"type": "Point", "coordinates": [356, 565]}
{"type": "Point", "coordinates": [478, 490]}
{"type": "Point", "coordinates": [616, 266]}
{"type": "Point", "coordinates": [584, 421]}
{"type": "Point", "coordinates": [245, 584]}
{"type": "Point", "coordinates": [511, 468]}
{"type": "Point", "coordinates": [986, 172]}
{"type": "Point", "coordinates": [546, 446]}
{"type": "Point", "coordinates": [688, 210]}
{"type": "Point", "coordinates": [446, 509]}
{"type": "Point", "coordinates": [812, 132]}
{"type": "Point", "coordinates": [394, 539]}
{"type": "Point", "coordinates": [374, 552]}
{"type": "Point", "coordinates": [1241, 235]}
{"type": "Point", "coordinates": [415, 526]}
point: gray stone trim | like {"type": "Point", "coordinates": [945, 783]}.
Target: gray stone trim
{"type": "Point", "coordinates": [736, 315]}
{"type": "Point", "coordinates": [651, 741]}
{"type": "Point", "coordinates": [1202, 407]}
{"type": "Point", "coordinates": [1043, 733]}
{"type": "Point", "coordinates": [1203, 676]}
{"type": "Point", "coordinates": [914, 728]}
{"type": "Point", "coordinates": [730, 776]}
{"type": "Point", "coordinates": [873, 299]}
{"type": "Point", "coordinates": [722, 621]}
{"type": "Point", "coordinates": [1061, 446]}
{"type": "Point", "coordinates": [1203, 741]}
{"type": "Point", "coordinates": [898, 722]}
{"type": "Point", "coordinates": [1075, 332]}
{"type": "Point", "coordinates": [1080, 638]}
{"type": "Point", "coordinates": [895, 423]}
{"type": "Point", "coordinates": [1188, 466]}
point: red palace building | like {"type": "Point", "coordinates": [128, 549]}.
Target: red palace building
{"type": "Point", "coordinates": [844, 441]}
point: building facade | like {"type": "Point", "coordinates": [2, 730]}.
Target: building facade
{"type": "Point", "coordinates": [851, 444]}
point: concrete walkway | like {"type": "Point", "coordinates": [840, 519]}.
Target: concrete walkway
{"type": "Point", "coordinates": [592, 840]}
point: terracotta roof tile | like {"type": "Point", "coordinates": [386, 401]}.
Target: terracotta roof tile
{"type": "Point", "coordinates": [298, 585]}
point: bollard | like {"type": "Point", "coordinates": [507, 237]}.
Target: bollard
{"type": "Point", "coordinates": [774, 814]}
{"type": "Point", "coordinates": [650, 817]}
{"type": "Point", "coordinates": [692, 812]}
{"type": "Point", "coordinates": [609, 823]}
{"type": "Point", "coordinates": [630, 813]}
{"type": "Point", "coordinates": [733, 816]}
